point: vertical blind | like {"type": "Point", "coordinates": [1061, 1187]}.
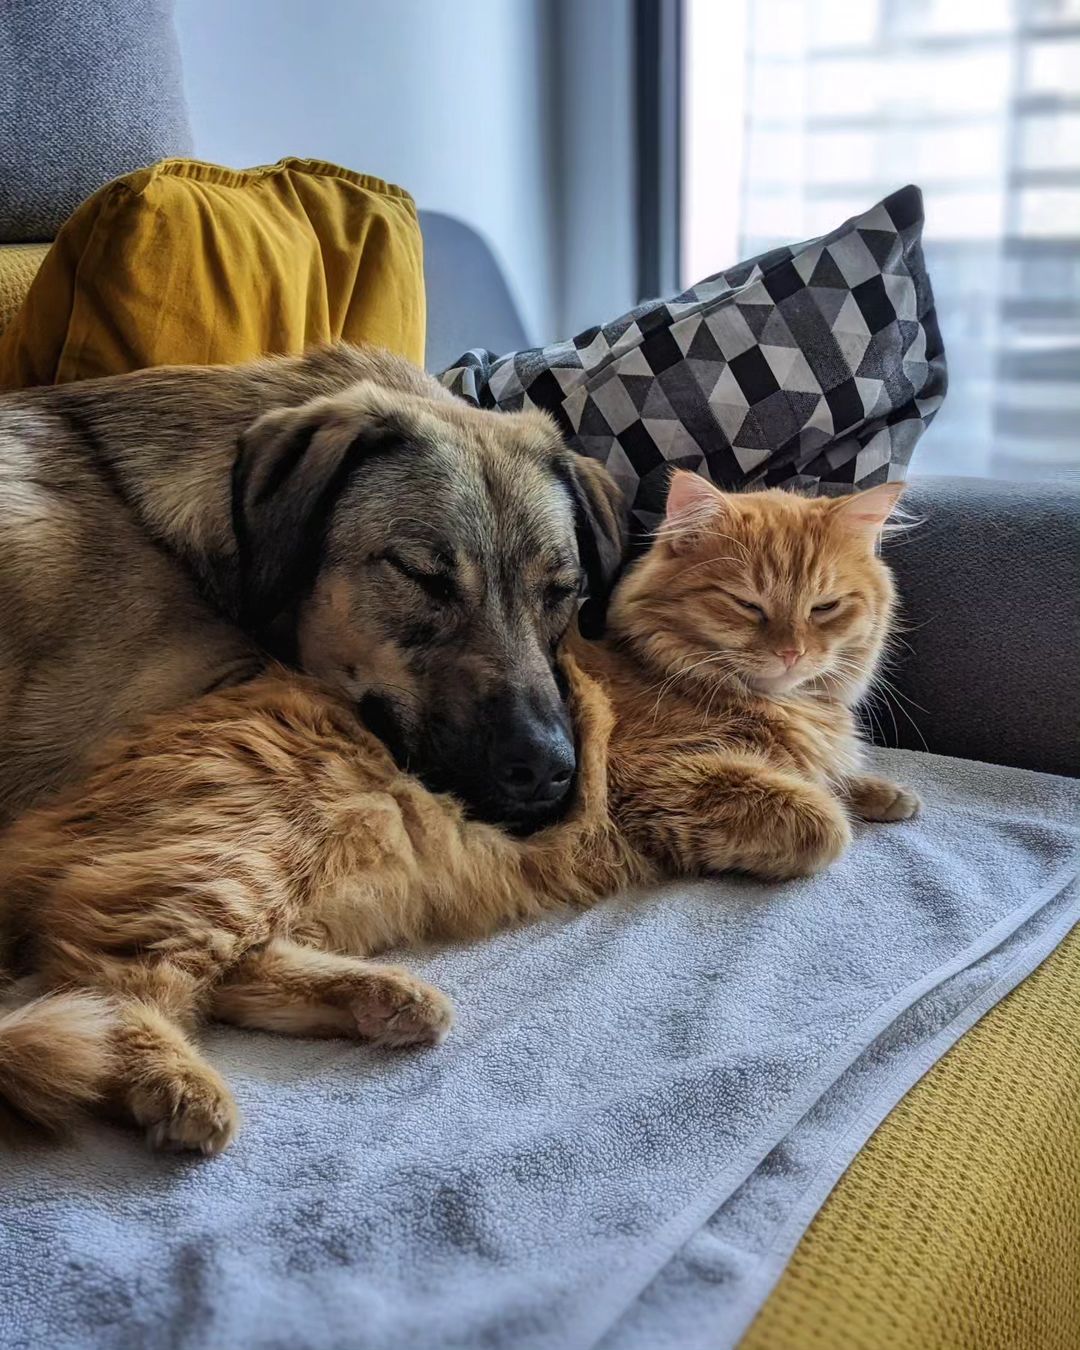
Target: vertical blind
{"type": "Point", "coordinates": [978, 101]}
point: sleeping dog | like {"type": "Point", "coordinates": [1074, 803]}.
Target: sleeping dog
{"type": "Point", "coordinates": [161, 532]}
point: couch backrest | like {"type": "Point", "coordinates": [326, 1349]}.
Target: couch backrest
{"type": "Point", "coordinates": [468, 300]}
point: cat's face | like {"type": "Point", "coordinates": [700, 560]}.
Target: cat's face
{"type": "Point", "coordinates": [776, 591]}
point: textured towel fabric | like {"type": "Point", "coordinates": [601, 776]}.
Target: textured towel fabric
{"type": "Point", "coordinates": [634, 1121]}
{"type": "Point", "coordinates": [959, 1222]}
{"type": "Point", "coordinates": [87, 92]}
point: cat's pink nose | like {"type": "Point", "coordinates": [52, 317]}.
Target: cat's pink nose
{"type": "Point", "coordinates": [789, 655]}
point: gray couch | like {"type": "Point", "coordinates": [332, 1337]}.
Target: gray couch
{"type": "Point", "coordinates": [547, 1179]}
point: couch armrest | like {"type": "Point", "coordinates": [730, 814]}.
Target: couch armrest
{"type": "Point", "coordinates": [990, 584]}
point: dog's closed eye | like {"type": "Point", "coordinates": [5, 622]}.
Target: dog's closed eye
{"type": "Point", "coordinates": [437, 586]}
{"type": "Point", "coordinates": [557, 593]}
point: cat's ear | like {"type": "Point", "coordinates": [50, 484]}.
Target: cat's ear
{"type": "Point", "coordinates": [866, 512]}
{"type": "Point", "coordinates": [692, 503]}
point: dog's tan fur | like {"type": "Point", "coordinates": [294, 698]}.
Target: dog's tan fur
{"type": "Point", "coordinates": [244, 860]}
{"type": "Point", "coordinates": [159, 530]}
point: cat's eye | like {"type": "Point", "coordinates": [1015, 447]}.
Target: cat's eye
{"type": "Point", "coordinates": [826, 607]}
{"type": "Point", "coordinates": [747, 605]}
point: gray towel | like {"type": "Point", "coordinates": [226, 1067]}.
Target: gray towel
{"type": "Point", "coordinates": [639, 1112]}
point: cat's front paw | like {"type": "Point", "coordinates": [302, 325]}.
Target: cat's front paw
{"type": "Point", "coordinates": [878, 799]}
{"type": "Point", "coordinates": [791, 829]}
{"type": "Point", "coordinates": [808, 837]}
{"type": "Point", "coordinates": [399, 1010]}
{"type": "Point", "coordinates": [190, 1110]}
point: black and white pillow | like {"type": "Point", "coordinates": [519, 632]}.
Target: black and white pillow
{"type": "Point", "coordinates": [813, 365]}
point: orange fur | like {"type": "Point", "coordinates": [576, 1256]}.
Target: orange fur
{"type": "Point", "coordinates": [724, 756]}
{"type": "Point", "coordinates": [244, 860]}
{"type": "Point", "coordinates": [56, 1054]}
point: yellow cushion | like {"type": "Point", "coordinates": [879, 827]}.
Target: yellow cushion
{"type": "Point", "coordinates": [958, 1225]}
{"type": "Point", "coordinates": [191, 263]}
{"type": "Point", "coordinates": [18, 264]}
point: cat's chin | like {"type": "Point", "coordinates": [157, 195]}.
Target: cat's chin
{"type": "Point", "coordinates": [773, 685]}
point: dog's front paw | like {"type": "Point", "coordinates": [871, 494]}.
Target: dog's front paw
{"type": "Point", "coordinates": [880, 800]}
{"type": "Point", "coordinates": [399, 1010]}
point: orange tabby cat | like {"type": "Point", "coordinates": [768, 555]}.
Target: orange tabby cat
{"type": "Point", "coordinates": [736, 652]}
{"type": "Point", "coordinates": [244, 860]}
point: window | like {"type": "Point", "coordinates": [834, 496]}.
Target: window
{"type": "Point", "coordinates": [799, 113]}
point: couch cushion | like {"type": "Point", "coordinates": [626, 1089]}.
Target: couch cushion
{"type": "Point", "coordinates": [468, 299]}
{"type": "Point", "coordinates": [191, 263]}
{"type": "Point", "coordinates": [88, 92]}
{"type": "Point", "coordinates": [819, 363]}
{"type": "Point", "coordinates": [18, 267]}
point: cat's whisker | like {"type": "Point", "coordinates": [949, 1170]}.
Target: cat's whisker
{"type": "Point", "coordinates": [708, 562]}
{"type": "Point", "coordinates": [896, 638]}
{"type": "Point", "coordinates": [715, 658]}
{"type": "Point", "coordinates": [892, 715]}
{"type": "Point", "coordinates": [904, 698]}
{"type": "Point", "coordinates": [732, 672]}
{"type": "Point", "coordinates": [730, 539]}
{"type": "Point", "coordinates": [888, 693]}
{"type": "Point", "coordinates": [712, 699]}
{"type": "Point", "coordinates": [888, 702]}
{"type": "Point", "coordinates": [867, 709]}
{"type": "Point", "coordinates": [661, 684]}
{"type": "Point", "coordinates": [712, 659]}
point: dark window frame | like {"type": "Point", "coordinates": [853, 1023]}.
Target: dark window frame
{"type": "Point", "coordinates": [658, 41]}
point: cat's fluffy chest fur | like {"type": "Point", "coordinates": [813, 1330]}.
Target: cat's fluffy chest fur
{"type": "Point", "coordinates": [658, 711]}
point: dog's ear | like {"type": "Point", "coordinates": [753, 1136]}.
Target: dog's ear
{"type": "Point", "coordinates": [600, 513]}
{"type": "Point", "coordinates": [291, 468]}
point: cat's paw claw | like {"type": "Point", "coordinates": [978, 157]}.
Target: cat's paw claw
{"type": "Point", "coordinates": [404, 1013]}
{"type": "Point", "coordinates": [197, 1116]}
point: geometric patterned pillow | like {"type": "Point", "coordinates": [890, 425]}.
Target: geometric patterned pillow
{"type": "Point", "coordinates": [816, 366]}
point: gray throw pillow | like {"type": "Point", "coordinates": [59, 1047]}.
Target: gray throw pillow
{"type": "Point", "coordinates": [815, 366]}
{"type": "Point", "coordinates": [89, 90]}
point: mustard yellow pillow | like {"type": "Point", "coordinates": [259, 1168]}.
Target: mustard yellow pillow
{"type": "Point", "coordinates": [190, 263]}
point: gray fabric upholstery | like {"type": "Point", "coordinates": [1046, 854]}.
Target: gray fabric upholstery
{"type": "Point", "coordinates": [469, 302]}
{"type": "Point", "coordinates": [89, 90]}
{"type": "Point", "coordinates": [991, 588]}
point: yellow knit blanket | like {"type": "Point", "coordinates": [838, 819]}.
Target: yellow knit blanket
{"type": "Point", "coordinates": [958, 1225]}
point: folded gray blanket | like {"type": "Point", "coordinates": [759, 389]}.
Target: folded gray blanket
{"type": "Point", "coordinates": [635, 1119]}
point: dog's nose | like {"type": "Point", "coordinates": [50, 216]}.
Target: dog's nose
{"type": "Point", "coordinates": [536, 766]}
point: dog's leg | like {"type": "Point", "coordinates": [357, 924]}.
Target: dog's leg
{"type": "Point", "coordinates": [305, 992]}
{"type": "Point", "coordinates": [161, 1081]}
